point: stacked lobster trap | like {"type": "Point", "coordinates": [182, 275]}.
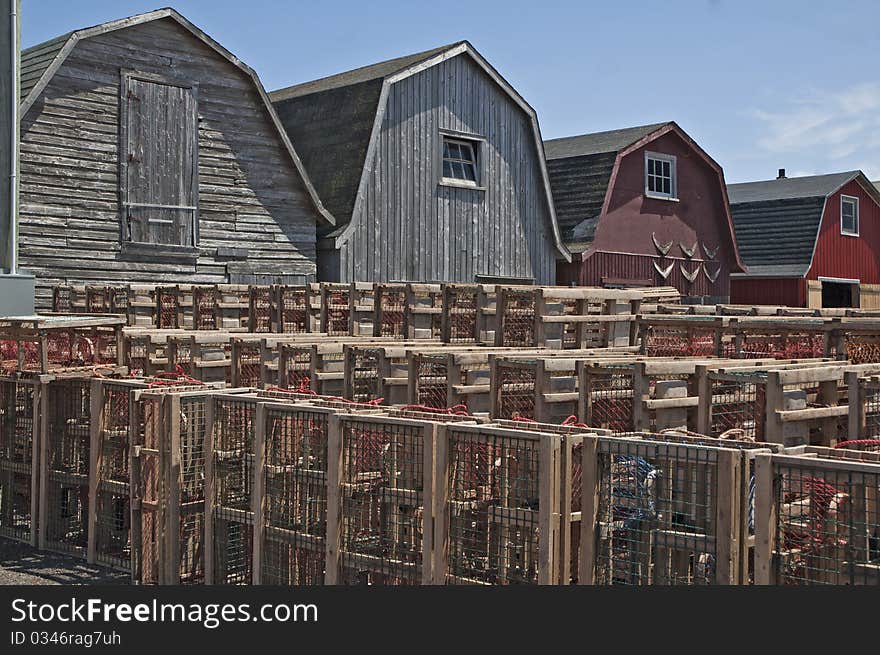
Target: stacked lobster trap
{"type": "Point", "coordinates": [20, 418]}
{"type": "Point", "coordinates": [817, 518]}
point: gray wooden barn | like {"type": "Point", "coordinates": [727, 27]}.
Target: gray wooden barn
{"type": "Point", "coordinates": [432, 166]}
{"type": "Point", "coordinates": [151, 154]}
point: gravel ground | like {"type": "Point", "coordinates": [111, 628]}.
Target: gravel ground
{"type": "Point", "coordinates": [20, 564]}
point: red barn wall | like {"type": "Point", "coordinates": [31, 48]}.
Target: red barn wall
{"type": "Point", "coordinates": [698, 216]}
{"type": "Point", "coordinates": [848, 257]}
{"type": "Point", "coordinates": [768, 291]}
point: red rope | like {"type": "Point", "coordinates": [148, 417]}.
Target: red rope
{"type": "Point", "coordinates": [572, 421]}
{"type": "Point", "coordinates": [455, 410]}
{"type": "Point", "coordinates": [860, 444]}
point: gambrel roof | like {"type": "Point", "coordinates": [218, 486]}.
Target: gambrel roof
{"type": "Point", "coordinates": [40, 63]}
{"type": "Point", "coordinates": [777, 221]}
{"type": "Point", "coordinates": [334, 122]}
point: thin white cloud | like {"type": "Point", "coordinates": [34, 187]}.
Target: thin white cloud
{"type": "Point", "coordinates": [827, 129]}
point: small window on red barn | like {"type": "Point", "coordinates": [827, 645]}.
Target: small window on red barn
{"type": "Point", "coordinates": [849, 216]}
{"type": "Point", "coordinates": [660, 177]}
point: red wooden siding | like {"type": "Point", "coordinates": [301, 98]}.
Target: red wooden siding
{"type": "Point", "coordinates": [768, 291]}
{"type": "Point", "coordinates": [849, 257]}
{"type": "Point", "coordinates": [603, 268]}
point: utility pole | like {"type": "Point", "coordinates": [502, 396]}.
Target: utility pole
{"type": "Point", "coordinates": [16, 287]}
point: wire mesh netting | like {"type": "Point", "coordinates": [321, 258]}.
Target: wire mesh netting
{"type": "Point", "coordinates": [431, 381]}
{"type": "Point", "coordinates": [98, 300]}
{"type": "Point", "coordinates": [167, 303]}
{"type": "Point", "coordinates": [149, 487]}
{"type": "Point", "coordinates": [204, 305]}
{"type": "Point", "coordinates": [138, 354]}
{"type": "Point", "coordinates": [193, 424]}
{"type": "Point", "coordinates": [233, 440]}
{"type": "Point", "coordinates": [871, 405]}
{"type": "Point", "coordinates": [680, 342]}
{"type": "Point", "coordinates": [738, 407]}
{"type": "Point", "coordinates": [249, 363]}
{"type": "Point", "coordinates": [337, 311]}
{"type": "Point", "coordinates": [296, 367]}
{"type": "Point", "coordinates": [392, 312]}
{"type": "Point", "coordinates": [516, 391]}
{"type": "Point", "coordinates": [363, 372]}
{"type": "Point", "coordinates": [863, 349]}
{"type": "Point", "coordinates": [493, 535]}
{"type": "Point", "coordinates": [294, 310]}
{"type": "Point", "coordinates": [783, 346]}
{"type": "Point", "coordinates": [113, 506]}
{"type": "Point", "coordinates": [295, 507]}
{"type": "Point", "coordinates": [16, 444]}
{"type": "Point", "coordinates": [461, 309]}
{"type": "Point", "coordinates": [610, 401]}
{"type": "Point", "coordinates": [261, 307]}
{"type": "Point", "coordinates": [383, 498]}
{"type": "Point", "coordinates": [656, 514]}
{"type": "Point", "coordinates": [517, 322]}
{"type": "Point", "coordinates": [828, 524]}
{"type": "Point", "coordinates": [62, 299]}
{"type": "Point", "coordinates": [67, 466]}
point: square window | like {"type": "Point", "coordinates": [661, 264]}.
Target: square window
{"type": "Point", "coordinates": [460, 160]}
{"type": "Point", "coordinates": [660, 176]}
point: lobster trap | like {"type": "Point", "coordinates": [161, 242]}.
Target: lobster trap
{"type": "Point", "coordinates": [465, 313]}
{"type": "Point", "coordinates": [337, 309]}
{"type": "Point", "coordinates": [818, 520]}
{"type": "Point", "coordinates": [262, 309]}
{"type": "Point", "coordinates": [659, 513]}
{"type": "Point", "coordinates": [294, 309]}
{"type": "Point", "coordinates": [168, 485]}
{"type": "Point", "coordinates": [605, 400]}
{"type": "Point", "coordinates": [290, 494]}
{"type": "Point", "coordinates": [22, 402]}
{"type": "Point", "coordinates": [380, 501]}
{"type": "Point", "coordinates": [391, 311]}
{"type": "Point", "coordinates": [46, 344]}
{"type": "Point", "coordinates": [497, 506]}
{"type": "Point", "coordinates": [205, 300]}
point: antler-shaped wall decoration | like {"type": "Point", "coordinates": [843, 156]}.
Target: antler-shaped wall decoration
{"type": "Point", "coordinates": [662, 248]}
{"type": "Point", "coordinates": [689, 252]}
{"type": "Point", "coordinates": [690, 277]}
{"type": "Point", "coordinates": [709, 252]}
{"type": "Point", "coordinates": [664, 273]}
{"type": "Point", "coordinates": [710, 276]}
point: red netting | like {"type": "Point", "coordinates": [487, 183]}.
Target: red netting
{"type": "Point", "coordinates": [337, 312]}
{"type": "Point", "coordinates": [461, 310]}
{"type": "Point", "coordinates": [204, 304]}
{"type": "Point", "coordinates": [518, 320]}
{"type": "Point", "coordinates": [392, 310]}
{"type": "Point", "coordinates": [680, 342]}
{"type": "Point", "coordinates": [261, 309]}
{"type": "Point", "coordinates": [294, 310]}
{"type": "Point", "coordinates": [432, 382]}
{"type": "Point", "coordinates": [516, 392]}
{"type": "Point", "coordinates": [167, 303]}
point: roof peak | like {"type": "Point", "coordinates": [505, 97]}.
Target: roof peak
{"type": "Point", "coordinates": [795, 178]}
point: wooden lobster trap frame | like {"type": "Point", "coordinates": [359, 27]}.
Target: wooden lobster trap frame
{"type": "Point", "coordinates": [655, 512]}
{"type": "Point", "coordinates": [167, 485]}
{"type": "Point", "coordinates": [497, 506]}
{"type": "Point", "coordinates": [863, 393]}
{"type": "Point", "coordinates": [424, 311]}
{"type": "Point", "coordinates": [262, 309]}
{"type": "Point", "coordinates": [22, 421]}
{"type": "Point", "coordinates": [817, 519]}
{"type": "Point", "coordinates": [64, 459]}
{"type": "Point", "coordinates": [48, 343]}
{"type": "Point", "coordinates": [380, 507]}
{"type": "Point", "coordinates": [290, 493]}
{"type": "Point", "coordinates": [204, 356]}
{"type": "Point", "coordinates": [294, 309]}
{"type": "Point", "coordinates": [337, 309]}
{"type": "Point", "coordinates": [116, 427]}
{"type": "Point", "coordinates": [542, 386]}
{"type": "Point", "coordinates": [205, 298]}
{"type": "Point", "coordinates": [468, 314]}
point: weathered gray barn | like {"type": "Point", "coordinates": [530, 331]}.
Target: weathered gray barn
{"type": "Point", "coordinates": [150, 153]}
{"type": "Point", "coordinates": [433, 167]}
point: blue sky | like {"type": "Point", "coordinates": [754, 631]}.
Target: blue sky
{"type": "Point", "coordinates": [759, 85]}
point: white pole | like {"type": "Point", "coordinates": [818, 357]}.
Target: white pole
{"type": "Point", "coordinates": [14, 128]}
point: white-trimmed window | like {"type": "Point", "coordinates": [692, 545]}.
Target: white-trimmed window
{"type": "Point", "coordinates": [460, 160]}
{"type": "Point", "coordinates": [849, 216]}
{"type": "Point", "coordinates": [660, 178]}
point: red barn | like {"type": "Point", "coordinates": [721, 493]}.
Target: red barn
{"type": "Point", "coordinates": [643, 206]}
{"type": "Point", "coordinates": [808, 241]}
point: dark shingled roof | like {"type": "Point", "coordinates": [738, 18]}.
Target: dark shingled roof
{"type": "Point", "coordinates": [330, 122]}
{"type": "Point", "coordinates": [776, 222]}
{"type": "Point", "coordinates": [598, 142]}
{"type": "Point", "coordinates": [364, 74]}
{"type": "Point", "coordinates": [36, 59]}
{"type": "Point", "coordinates": [580, 170]}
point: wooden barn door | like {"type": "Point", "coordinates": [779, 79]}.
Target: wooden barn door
{"type": "Point", "coordinates": [159, 167]}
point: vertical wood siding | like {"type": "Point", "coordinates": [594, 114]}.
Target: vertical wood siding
{"type": "Point", "coordinates": [856, 258]}
{"type": "Point", "coordinates": [768, 291]}
{"type": "Point", "coordinates": [409, 227]}
{"type": "Point", "coordinates": [250, 195]}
